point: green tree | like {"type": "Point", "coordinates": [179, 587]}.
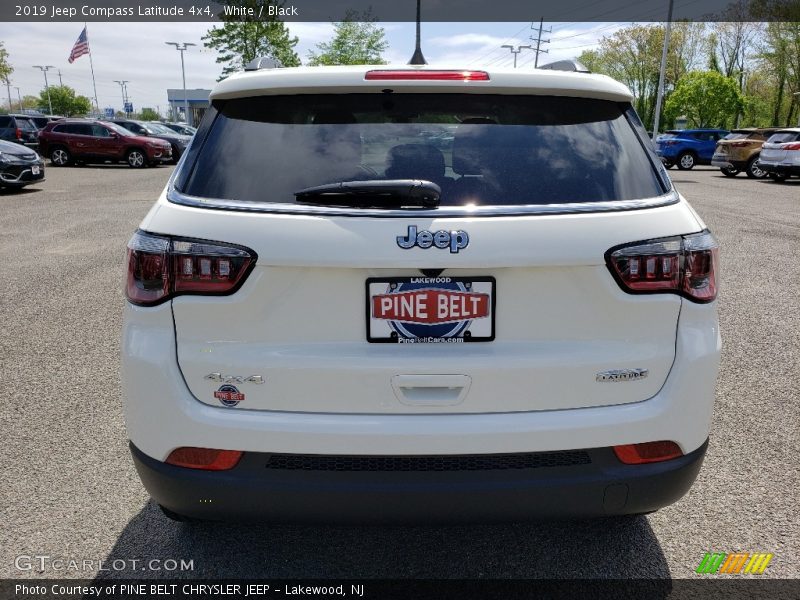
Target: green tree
{"type": "Point", "coordinates": [241, 39]}
{"type": "Point", "coordinates": [5, 67]}
{"type": "Point", "coordinates": [707, 98]}
{"type": "Point", "coordinates": [148, 114]}
{"type": "Point", "coordinates": [357, 40]}
{"type": "Point", "coordinates": [632, 55]}
{"type": "Point", "coordinates": [34, 103]}
{"type": "Point", "coordinates": [64, 101]}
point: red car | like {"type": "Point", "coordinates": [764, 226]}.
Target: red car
{"type": "Point", "coordinates": [72, 141]}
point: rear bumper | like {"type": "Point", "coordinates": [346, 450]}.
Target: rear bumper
{"type": "Point", "coordinates": [724, 162]}
{"type": "Point", "coordinates": [597, 486]}
{"type": "Point", "coordinates": [779, 168]}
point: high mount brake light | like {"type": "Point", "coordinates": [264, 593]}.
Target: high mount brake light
{"type": "Point", "coordinates": [425, 75]}
{"type": "Point", "coordinates": [161, 267]}
{"type": "Point", "coordinates": [685, 265]}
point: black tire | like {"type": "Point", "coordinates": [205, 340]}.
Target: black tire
{"type": "Point", "coordinates": [60, 157]}
{"type": "Point", "coordinates": [173, 516]}
{"type": "Point", "coordinates": [778, 177]}
{"type": "Point", "coordinates": [176, 155]}
{"type": "Point", "coordinates": [686, 161]}
{"type": "Point", "coordinates": [669, 165]}
{"type": "Point", "coordinates": [753, 171]}
{"type": "Point", "coordinates": [136, 158]}
{"type": "Point", "coordinates": [729, 171]}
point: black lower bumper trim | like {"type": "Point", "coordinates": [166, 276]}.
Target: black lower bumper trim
{"type": "Point", "coordinates": [601, 486]}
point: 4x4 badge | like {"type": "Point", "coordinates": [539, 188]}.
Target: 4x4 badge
{"type": "Point", "coordinates": [455, 240]}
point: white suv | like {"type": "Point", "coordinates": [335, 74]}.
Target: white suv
{"type": "Point", "coordinates": [375, 293]}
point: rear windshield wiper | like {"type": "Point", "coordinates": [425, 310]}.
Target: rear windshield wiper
{"type": "Point", "coordinates": [386, 193]}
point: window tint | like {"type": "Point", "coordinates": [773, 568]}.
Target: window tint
{"type": "Point", "coordinates": [81, 129]}
{"type": "Point", "coordinates": [736, 136]}
{"type": "Point", "coordinates": [480, 149]}
{"type": "Point", "coordinates": [99, 131]}
{"type": "Point", "coordinates": [784, 137]}
{"type": "Point", "coordinates": [118, 129]}
{"type": "Point", "coordinates": [5, 121]}
{"type": "Point", "coordinates": [26, 124]}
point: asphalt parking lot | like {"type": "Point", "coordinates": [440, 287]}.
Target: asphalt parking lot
{"type": "Point", "coordinates": [68, 488]}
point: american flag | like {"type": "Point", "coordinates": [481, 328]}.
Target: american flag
{"type": "Point", "coordinates": [80, 48]}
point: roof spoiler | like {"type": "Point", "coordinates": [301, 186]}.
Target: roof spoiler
{"type": "Point", "coordinates": [572, 66]}
{"type": "Point", "coordinates": [263, 62]}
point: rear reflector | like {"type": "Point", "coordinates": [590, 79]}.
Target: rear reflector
{"type": "Point", "coordinates": [649, 452]}
{"type": "Point", "coordinates": [160, 267]}
{"type": "Point", "coordinates": [685, 265]}
{"type": "Point", "coordinates": [426, 75]}
{"type": "Point", "coordinates": [206, 459]}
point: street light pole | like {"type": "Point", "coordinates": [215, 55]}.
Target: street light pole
{"type": "Point", "coordinates": [46, 85]}
{"type": "Point", "coordinates": [660, 91]}
{"type": "Point", "coordinates": [19, 97]}
{"type": "Point", "coordinates": [516, 52]}
{"type": "Point", "coordinates": [181, 47]}
{"type": "Point", "coordinates": [124, 95]}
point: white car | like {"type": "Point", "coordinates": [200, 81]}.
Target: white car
{"type": "Point", "coordinates": [330, 318]}
{"type": "Point", "coordinates": [780, 154]}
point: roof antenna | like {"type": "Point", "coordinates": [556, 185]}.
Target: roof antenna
{"type": "Point", "coordinates": [418, 59]}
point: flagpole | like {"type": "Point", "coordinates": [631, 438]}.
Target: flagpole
{"type": "Point", "coordinates": [91, 65]}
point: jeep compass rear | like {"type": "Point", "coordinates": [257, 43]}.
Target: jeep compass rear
{"type": "Point", "coordinates": [402, 294]}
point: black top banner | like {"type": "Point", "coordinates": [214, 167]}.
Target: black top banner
{"type": "Point", "coordinates": [400, 10]}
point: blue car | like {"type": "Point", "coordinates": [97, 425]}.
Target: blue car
{"type": "Point", "coordinates": [688, 147]}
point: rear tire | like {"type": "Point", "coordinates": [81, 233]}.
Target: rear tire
{"type": "Point", "coordinates": [729, 171]}
{"type": "Point", "coordinates": [60, 157]}
{"type": "Point", "coordinates": [753, 171]}
{"type": "Point", "coordinates": [669, 165]}
{"type": "Point", "coordinates": [136, 158]}
{"type": "Point", "coordinates": [778, 177]}
{"type": "Point", "coordinates": [686, 161]}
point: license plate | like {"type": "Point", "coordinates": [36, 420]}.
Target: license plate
{"type": "Point", "coordinates": [35, 170]}
{"type": "Point", "coordinates": [430, 310]}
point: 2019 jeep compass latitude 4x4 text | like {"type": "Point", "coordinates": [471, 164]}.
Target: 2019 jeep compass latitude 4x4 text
{"type": "Point", "coordinates": [375, 293]}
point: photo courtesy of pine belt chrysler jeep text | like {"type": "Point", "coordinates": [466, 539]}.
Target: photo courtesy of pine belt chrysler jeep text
{"type": "Point", "coordinates": [419, 294]}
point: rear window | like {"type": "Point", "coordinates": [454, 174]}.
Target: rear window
{"type": "Point", "coordinates": [784, 137]}
{"type": "Point", "coordinates": [738, 135]}
{"type": "Point", "coordinates": [480, 149]}
{"type": "Point", "coordinates": [26, 124]}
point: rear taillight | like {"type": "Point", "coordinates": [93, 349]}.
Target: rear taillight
{"type": "Point", "coordinates": [792, 146]}
{"type": "Point", "coordinates": [18, 133]}
{"type": "Point", "coordinates": [685, 265]}
{"type": "Point", "coordinates": [161, 267]}
{"type": "Point", "coordinates": [739, 144]}
{"type": "Point", "coordinates": [206, 459]}
{"type": "Point", "coordinates": [648, 452]}
{"type": "Point", "coordinates": [427, 75]}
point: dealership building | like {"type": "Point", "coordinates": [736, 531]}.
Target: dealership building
{"type": "Point", "coordinates": [198, 104]}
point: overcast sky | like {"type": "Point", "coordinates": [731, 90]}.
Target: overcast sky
{"type": "Point", "coordinates": [136, 52]}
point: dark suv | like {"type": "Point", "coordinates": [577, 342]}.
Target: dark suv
{"type": "Point", "coordinates": [20, 129]}
{"type": "Point", "coordinates": [89, 141]}
{"type": "Point", "coordinates": [178, 141]}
